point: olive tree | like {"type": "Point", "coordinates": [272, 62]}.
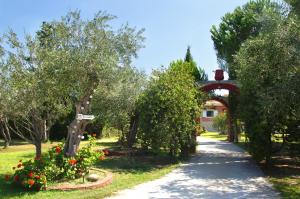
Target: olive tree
{"type": "Point", "coordinates": [88, 55]}
{"type": "Point", "coordinates": [116, 106]}
{"type": "Point", "coordinates": [269, 76]}
{"type": "Point", "coordinates": [60, 68]}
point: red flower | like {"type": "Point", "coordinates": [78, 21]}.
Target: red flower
{"type": "Point", "coordinates": [7, 177]}
{"type": "Point", "coordinates": [37, 158]}
{"type": "Point", "coordinates": [57, 149]}
{"type": "Point", "coordinates": [19, 165]}
{"type": "Point", "coordinates": [30, 174]}
{"type": "Point", "coordinates": [101, 158]}
{"type": "Point", "coordinates": [31, 182]}
{"type": "Point", "coordinates": [16, 178]}
{"type": "Point", "coordinates": [72, 161]}
{"type": "Point", "coordinates": [106, 152]}
{"type": "Point", "coordinates": [37, 177]}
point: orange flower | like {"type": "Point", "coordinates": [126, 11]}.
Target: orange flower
{"type": "Point", "coordinates": [7, 177]}
{"type": "Point", "coordinates": [101, 158]}
{"type": "Point", "coordinates": [30, 174]}
{"type": "Point", "coordinates": [19, 165]}
{"type": "Point", "coordinates": [31, 182]}
{"type": "Point", "coordinates": [72, 161]}
{"type": "Point", "coordinates": [57, 149]}
{"type": "Point", "coordinates": [16, 178]}
{"type": "Point", "coordinates": [94, 134]}
{"type": "Point", "coordinates": [37, 177]}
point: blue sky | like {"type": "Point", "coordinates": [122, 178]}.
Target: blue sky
{"type": "Point", "coordinates": [170, 25]}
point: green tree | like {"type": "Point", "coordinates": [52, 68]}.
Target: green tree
{"type": "Point", "coordinates": [115, 106]}
{"type": "Point", "coordinates": [168, 108]}
{"type": "Point", "coordinates": [60, 68]}
{"type": "Point", "coordinates": [269, 74]}
{"type": "Point", "coordinates": [220, 123]}
{"type": "Point", "coordinates": [198, 73]}
{"type": "Point", "coordinates": [295, 6]}
{"type": "Point", "coordinates": [236, 27]}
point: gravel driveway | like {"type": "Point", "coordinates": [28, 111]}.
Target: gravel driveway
{"type": "Point", "coordinates": [218, 170]}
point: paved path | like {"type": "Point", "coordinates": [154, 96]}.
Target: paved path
{"type": "Point", "coordinates": [219, 170]}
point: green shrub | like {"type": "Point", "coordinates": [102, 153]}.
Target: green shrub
{"type": "Point", "coordinates": [34, 174]}
{"type": "Point", "coordinates": [168, 109]}
{"type": "Point", "coordinates": [30, 174]}
{"type": "Point", "coordinates": [220, 123]}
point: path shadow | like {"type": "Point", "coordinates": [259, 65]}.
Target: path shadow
{"type": "Point", "coordinates": [219, 170]}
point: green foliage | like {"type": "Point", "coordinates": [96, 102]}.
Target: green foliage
{"type": "Point", "coordinates": [269, 76]}
{"type": "Point", "coordinates": [295, 6]}
{"type": "Point", "coordinates": [168, 108]}
{"type": "Point", "coordinates": [236, 27]}
{"type": "Point", "coordinates": [243, 23]}
{"type": "Point", "coordinates": [114, 105]}
{"type": "Point", "coordinates": [30, 175]}
{"type": "Point", "coordinates": [188, 55]}
{"type": "Point", "coordinates": [90, 53]}
{"type": "Point", "coordinates": [61, 167]}
{"type": "Point", "coordinates": [33, 175]}
{"type": "Point", "coordinates": [198, 73]}
{"type": "Point", "coordinates": [220, 123]}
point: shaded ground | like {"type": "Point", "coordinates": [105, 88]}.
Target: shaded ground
{"type": "Point", "coordinates": [220, 170]}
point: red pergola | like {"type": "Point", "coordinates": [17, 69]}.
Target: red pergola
{"type": "Point", "coordinates": [219, 83]}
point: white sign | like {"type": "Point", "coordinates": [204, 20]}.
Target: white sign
{"type": "Point", "coordinates": [85, 117]}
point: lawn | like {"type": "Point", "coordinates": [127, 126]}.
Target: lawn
{"type": "Point", "coordinates": [127, 171]}
{"type": "Point", "coordinates": [215, 135]}
{"type": "Point", "coordinates": [284, 173]}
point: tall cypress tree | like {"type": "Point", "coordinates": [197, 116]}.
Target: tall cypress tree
{"type": "Point", "coordinates": [198, 73]}
{"type": "Point", "coordinates": [188, 55]}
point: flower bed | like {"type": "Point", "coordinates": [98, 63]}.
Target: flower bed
{"type": "Point", "coordinates": [55, 166]}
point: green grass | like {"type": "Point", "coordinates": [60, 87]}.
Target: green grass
{"type": "Point", "coordinates": [284, 174]}
{"type": "Point", "coordinates": [289, 187]}
{"type": "Point", "coordinates": [215, 135]}
{"type": "Point", "coordinates": [127, 172]}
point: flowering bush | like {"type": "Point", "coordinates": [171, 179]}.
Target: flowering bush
{"type": "Point", "coordinates": [55, 166]}
{"type": "Point", "coordinates": [29, 174]}
{"type": "Point", "coordinates": [62, 167]}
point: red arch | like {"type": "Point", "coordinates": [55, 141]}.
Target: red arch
{"type": "Point", "coordinates": [219, 85]}
{"type": "Point", "coordinates": [222, 101]}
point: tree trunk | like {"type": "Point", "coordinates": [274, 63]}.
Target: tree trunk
{"type": "Point", "coordinates": [131, 135]}
{"type": "Point", "coordinates": [100, 131]}
{"type": "Point", "coordinates": [46, 132]}
{"type": "Point", "coordinates": [193, 142]}
{"type": "Point", "coordinates": [77, 126]}
{"type": "Point", "coordinates": [5, 132]}
{"type": "Point", "coordinates": [269, 151]}
{"type": "Point", "coordinates": [38, 148]}
{"type": "Point", "coordinates": [236, 131]}
{"type": "Point", "coordinates": [230, 128]}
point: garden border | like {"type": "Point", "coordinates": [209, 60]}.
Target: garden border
{"type": "Point", "coordinates": [98, 184]}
